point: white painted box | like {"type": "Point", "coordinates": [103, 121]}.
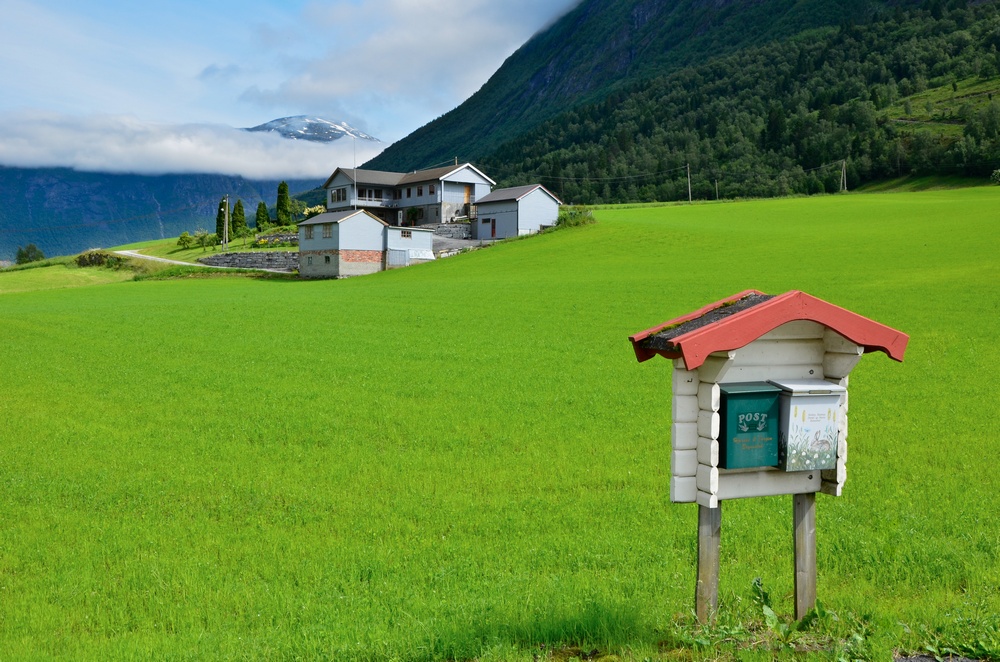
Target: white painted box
{"type": "Point", "coordinates": [808, 427]}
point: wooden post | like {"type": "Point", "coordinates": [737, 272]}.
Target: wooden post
{"type": "Point", "coordinates": [805, 553]}
{"type": "Point", "coordinates": [706, 598]}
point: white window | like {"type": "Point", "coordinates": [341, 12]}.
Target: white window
{"type": "Point", "coordinates": [406, 234]}
{"type": "Point", "coordinates": [327, 230]}
{"type": "Point", "coordinates": [309, 232]}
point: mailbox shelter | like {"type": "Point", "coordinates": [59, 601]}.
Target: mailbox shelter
{"type": "Point", "coordinates": [759, 408]}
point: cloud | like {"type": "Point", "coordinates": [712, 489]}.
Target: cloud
{"type": "Point", "coordinates": [411, 57]}
{"type": "Point", "coordinates": [127, 145]}
{"type": "Point", "coordinates": [215, 72]}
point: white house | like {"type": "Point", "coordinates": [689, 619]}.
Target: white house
{"type": "Point", "coordinates": [355, 243]}
{"type": "Point", "coordinates": [512, 212]}
{"type": "Point", "coordinates": [439, 195]}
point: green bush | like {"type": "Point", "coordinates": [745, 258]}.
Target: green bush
{"type": "Point", "coordinates": [29, 253]}
{"type": "Point", "coordinates": [101, 259]}
{"type": "Point", "coordinates": [573, 216]}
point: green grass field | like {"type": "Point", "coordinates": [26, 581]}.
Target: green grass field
{"type": "Point", "coordinates": [464, 460]}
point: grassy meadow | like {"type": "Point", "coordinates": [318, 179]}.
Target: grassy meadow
{"type": "Point", "coordinates": [464, 460]}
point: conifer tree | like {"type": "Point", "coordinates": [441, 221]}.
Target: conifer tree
{"type": "Point", "coordinates": [263, 218]}
{"type": "Point", "coordinates": [238, 220]}
{"type": "Point", "coordinates": [284, 205]}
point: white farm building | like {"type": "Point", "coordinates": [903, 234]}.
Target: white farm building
{"type": "Point", "coordinates": [512, 212]}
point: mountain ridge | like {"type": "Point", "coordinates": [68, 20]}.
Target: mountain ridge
{"type": "Point", "coordinates": [311, 128]}
{"type": "Point", "coordinates": [561, 67]}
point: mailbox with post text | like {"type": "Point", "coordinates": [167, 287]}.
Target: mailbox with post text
{"type": "Point", "coordinates": [759, 408]}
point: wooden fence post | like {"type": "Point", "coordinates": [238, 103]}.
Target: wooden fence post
{"type": "Point", "coordinates": [805, 553]}
{"type": "Point", "coordinates": [706, 597]}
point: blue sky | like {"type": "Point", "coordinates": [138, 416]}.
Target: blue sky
{"type": "Point", "coordinates": [153, 85]}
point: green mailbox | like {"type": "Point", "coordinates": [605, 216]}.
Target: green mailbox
{"type": "Point", "coordinates": [748, 417]}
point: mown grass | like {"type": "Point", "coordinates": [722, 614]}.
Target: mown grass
{"type": "Point", "coordinates": [915, 183]}
{"type": "Point", "coordinates": [463, 459]}
{"type": "Point", "coordinates": [57, 273]}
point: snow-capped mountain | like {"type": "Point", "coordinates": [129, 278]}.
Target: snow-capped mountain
{"type": "Point", "coordinates": [316, 129]}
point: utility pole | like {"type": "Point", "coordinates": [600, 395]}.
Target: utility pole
{"type": "Point", "coordinates": [225, 227]}
{"type": "Point", "coordinates": [689, 181]}
{"type": "Point", "coordinates": [716, 190]}
{"type": "Point", "coordinates": [843, 176]}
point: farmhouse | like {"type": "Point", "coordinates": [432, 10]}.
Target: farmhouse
{"type": "Point", "coordinates": [439, 195]}
{"type": "Point", "coordinates": [356, 242]}
{"type": "Point", "coordinates": [512, 212]}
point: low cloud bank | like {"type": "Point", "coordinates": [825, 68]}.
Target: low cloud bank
{"type": "Point", "coordinates": [122, 144]}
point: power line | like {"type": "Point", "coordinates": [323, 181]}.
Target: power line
{"type": "Point", "coordinates": [641, 175]}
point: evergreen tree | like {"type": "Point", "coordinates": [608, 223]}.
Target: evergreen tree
{"type": "Point", "coordinates": [263, 218]}
{"type": "Point", "coordinates": [238, 220]}
{"type": "Point", "coordinates": [284, 205]}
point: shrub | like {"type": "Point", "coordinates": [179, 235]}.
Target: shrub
{"type": "Point", "coordinates": [100, 259]}
{"type": "Point", "coordinates": [573, 216]}
{"type": "Point", "coordinates": [185, 240]}
{"type": "Point", "coordinates": [29, 253]}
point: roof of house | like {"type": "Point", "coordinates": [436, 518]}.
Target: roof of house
{"type": "Point", "coordinates": [515, 193]}
{"type": "Point", "coordinates": [742, 318]}
{"type": "Point", "coordinates": [384, 178]}
{"type": "Point", "coordinates": [340, 217]}
{"type": "Point", "coordinates": [358, 176]}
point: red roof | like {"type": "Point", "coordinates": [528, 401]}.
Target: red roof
{"type": "Point", "coordinates": [690, 338]}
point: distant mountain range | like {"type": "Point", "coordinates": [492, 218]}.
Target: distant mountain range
{"type": "Point", "coordinates": [315, 129]}
{"type": "Point", "coordinates": [65, 211]}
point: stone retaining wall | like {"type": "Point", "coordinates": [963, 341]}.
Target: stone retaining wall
{"type": "Point", "coordinates": [277, 260]}
{"type": "Point", "coordinates": [453, 230]}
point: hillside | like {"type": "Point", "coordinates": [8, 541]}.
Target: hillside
{"type": "Point", "coordinates": [65, 211]}
{"type": "Point", "coordinates": [597, 48]}
{"type": "Point", "coordinates": [908, 94]}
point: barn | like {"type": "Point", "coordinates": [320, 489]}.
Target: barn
{"type": "Point", "coordinates": [512, 212]}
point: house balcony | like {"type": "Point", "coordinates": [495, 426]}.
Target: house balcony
{"type": "Point", "coordinates": [361, 203]}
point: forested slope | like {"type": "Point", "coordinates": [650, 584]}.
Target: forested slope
{"type": "Point", "coordinates": [910, 92]}
{"type": "Point", "coordinates": [602, 46]}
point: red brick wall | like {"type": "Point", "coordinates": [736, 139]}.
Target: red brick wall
{"type": "Point", "coordinates": [361, 256]}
